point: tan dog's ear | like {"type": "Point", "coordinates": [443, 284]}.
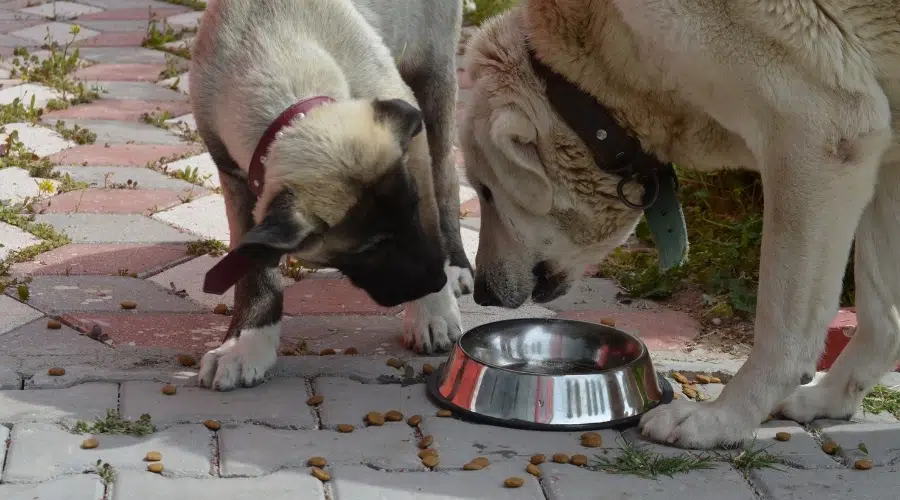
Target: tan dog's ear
{"type": "Point", "coordinates": [402, 117]}
{"type": "Point", "coordinates": [522, 176]}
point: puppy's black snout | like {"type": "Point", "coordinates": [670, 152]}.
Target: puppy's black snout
{"type": "Point", "coordinates": [541, 270]}
{"type": "Point", "coordinates": [484, 296]}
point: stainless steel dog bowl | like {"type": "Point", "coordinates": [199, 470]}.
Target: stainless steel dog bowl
{"type": "Point", "coordinates": [549, 374]}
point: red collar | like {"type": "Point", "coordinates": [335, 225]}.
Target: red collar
{"type": "Point", "coordinates": [257, 171]}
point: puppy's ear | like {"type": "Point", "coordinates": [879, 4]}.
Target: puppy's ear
{"type": "Point", "coordinates": [522, 176]}
{"type": "Point", "coordinates": [280, 232]}
{"type": "Point", "coordinates": [402, 117]}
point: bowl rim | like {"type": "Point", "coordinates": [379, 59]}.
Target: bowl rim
{"type": "Point", "coordinates": [643, 353]}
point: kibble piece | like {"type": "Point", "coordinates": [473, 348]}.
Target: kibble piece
{"type": "Point", "coordinates": [444, 413]}
{"type": "Point", "coordinates": [681, 379]}
{"type": "Point", "coordinates": [534, 470]}
{"type": "Point", "coordinates": [212, 425]}
{"type": "Point", "coordinates": [320, 474]}
{"type": "Point", "coordinates": [608, 322]}
{"type": "Point", "coordinates": [783, 436]}
{"type": "Point", "coordinates": [473, 466]}
{"type": "Point", "coordinates": [317, 462]}
{"type": "Point", "coordinates": [481, 461]}
{"type": "Point", "coordinates": [430, 461]}
{"type": "Point", "coordinates": [715, 380]}
{"type": "Point", "coordinates": [54, 324]}
{"type": "Point", "coordinates": [315, 400]}
{"type": "Point", "coordinates": [395, 363]}
{"type": "Point", "coordinates": [578, 460]}
{"type": "Point", "coordinates": [863, 464]}
{"type": "Point", "coordinates": [513, 482]}
{"type": "Point", "coordinates": [90, 443]}
{"type": "Point", "coordinates": [393, 416]}
{"type": "Point", "coordinates": [769, 418]}
{"type": "Point", "coordinates": [561, 458]}
{"type": "Point", "coordinates": [591, 440]}
{"type": "Point", "coordinates": [830, 447]}
{"type": "Point", "coordinates": [169, 390]}
{"type": "Point", "coordinates": [414, 420]}
{"type": "Point", "coordinates": [345, 428]}
{"type": "Point", "coordinates": [153, 456]}
{"type": "Point", "coordinates": [689, 391]}
{"type": "Point", "coordinates": [56, 372]}
{"type": "Point", "coordinates": [426, 441]}
{"type": "Point", "coordinates": [374, 418]}
{"type": "Point", "coordinates": [675, 395]}
{"type": "Point", "coordinates": [703, 379]}
{"type": "Point", "coordinates": [426, 452]}
{"type": "Point", "coordinates": [427, 369]}
{"type": "Point", "coordinates": [156, 467]}
{"type": "Point", "coordinates": [220, 309]}
{"type": "Point", "coordinates": [538, 459]}
{"type": "Point", "coordinates": [327, 352]}
{"type": "Point", "coordinates": [128, 304]}
{"type": "Point", "coordinates": [351, 351]}
{"type": "Point", "coordinates": [185, 360]}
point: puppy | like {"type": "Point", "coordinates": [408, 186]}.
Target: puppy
{"type": "Point", "coordinates": [314, 113]}
{"type": "Point", "coordinates": [807, 93]}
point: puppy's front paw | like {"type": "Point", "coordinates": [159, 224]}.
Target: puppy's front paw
{"type": "Point", "coordinates": [241, 362]}
{"type": "Point", "coordinates": [461, 279]}
{"type": "Point", "coordinates": [810, 402]}
{"type": "Point", "coordinates": [697, 425]}
{"type": "Point", "coordinates": [432, 323]}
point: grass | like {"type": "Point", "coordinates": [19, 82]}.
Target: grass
{"type": "Point", "coordinates": [485, 9]}
{"type": "Point", "coordinates": [213, 248]}
{"type": "Point", "coordinates": [882, 399]}
{"type": "Point", "coordinates": [192, 4]}
{"type": "Point", "coordinates": [752, 458]}
{"type": "Point", "coordinates": [105, 471]}
{"type": "Point", "coordinates": [158, 118]}
{"type": "Point", "coordinates": [157, 38]}
{"type": "Point", "coordinates": [113, 423]}
{"type": "Point", "coordinates": [639, 461]}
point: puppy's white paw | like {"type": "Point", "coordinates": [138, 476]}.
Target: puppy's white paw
{"type": "Point", "coordinates": [432, 323]}
{"type": "Point", "coordinates": [461, 279]}
{"type": "Point", "coordinates": [242, 361]}
{"type": "Point", "coordinates": [698, 425]}
{"type": "Point", "coordinates": [809, 402]}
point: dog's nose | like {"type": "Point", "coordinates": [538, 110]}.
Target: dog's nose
{"type": "Point", "coordinates": [483, 295]}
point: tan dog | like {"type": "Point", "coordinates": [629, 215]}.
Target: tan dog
{"type": "Point", "coordinates": [805, 92]}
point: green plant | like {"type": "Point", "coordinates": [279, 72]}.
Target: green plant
{"type": "Point", "coordinates": [113, 423]}
{"type": "Point", "coordinates": [640, 461]}
{"type": "Point", "coordinates": [23, 292]}
{"type": "Point", "coordinates": [192, 175]}
{"type": "Point", "coordinates": [105, 471]}
{"type": "Point", "coordinates": [77, 133]}
{"type": "Point", "coordinates": [157, 118]}
{"type": "Point", "coordinates": [214, 248]}
{"type": "Point", "coordinates": [485, 9]}
{"type": "Point", "coordinates": [882, 399]}
{"type": "Point", "coordinates": [752, 458]}
{"type": "Point", "coordinates": [193, 4]}
{"type": "Point", "coordinates": [15, 215]}
{"type": "Point", "coordinates": [173, 67]}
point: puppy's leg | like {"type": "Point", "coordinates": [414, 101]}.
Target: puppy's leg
{"type": "Point", "coordinates": [875, 348]}
{"type": "Point", "coordinates": [814, 196]}
{"type": "Point", "coordinates": [250, 346]}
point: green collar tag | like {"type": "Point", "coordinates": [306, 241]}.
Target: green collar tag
{"type": "Point", "coordinates": [666, 222]}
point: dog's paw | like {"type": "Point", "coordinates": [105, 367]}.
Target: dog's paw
{"type": "Point", "coordinates": [461, 279]}
{"type": "Point", "coordinates": [809, 402]}
{"type": "Point", "coordinates": [432, 323]}
{"type": "Point", "coordinates": [697, 426]}
{"type": "Point", "coordinates": [242, 361]}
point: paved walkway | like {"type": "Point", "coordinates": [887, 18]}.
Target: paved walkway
{"type": "Point", "coordinates": [138, 229]}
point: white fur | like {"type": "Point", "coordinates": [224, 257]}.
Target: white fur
{"type": "Point", "coordinates": [433, 323]}
{"type": "Point", "coordinates": [241, 362]}
{"type": "Point", "coordinates": [461, 280]}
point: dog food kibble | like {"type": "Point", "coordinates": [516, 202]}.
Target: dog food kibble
{"type": "Point", "coordinates": [169, 390]}
{"type": "Point", "coordinates": [212, 425]}
{"type": "Point", "coordinates": [863, 464]}
{"type": "Point", "coordinates": [414, 420]}
{"type": "Point", "coordinates": [185, 360]}
{"type": "Point", "coordinates": [426, 452]}
{"type": "Point", "coordinates": [538, 459]}
{"type": "Point", "coordinates": [534, 470]}
{"type": "Point", "coordinates": [351, 351]}
{"type": "Point", "coordinates": [681, 379]}
{"type": "Point", "coordinates": [703, 379]}
{"type": "Point", "coordinates": [374, 418]}
{"type": "Point", "coordinates": [90, 443]}
{"type": "Point", "coordinates": [426, 441]}
{"type": "Point", "coordinates": [444, 413]}
{"type": "Point", "coordinates": [578, 460]}
{"type": "Point", "coordinates": [430, 461]}
{"type": "Point", "coordinates": [608, 322]}
{"type": "Point", "coordinates": [561, 458]}
{"type": "Point", "coordinates": [320, 474]}
{"type": "Point", "coordinates": [345, 428]}
{"type": "Point", "coordinates": [315, 400]}
{"type": "Point", "coordinates": [473, 466]}
{"type": "Point", "coordinates": [427, 369]}
{"type": "Point", "coordinates": [513, 482]}
{"type": "Point", "coordinates": [689, 391]}
{"type": "Point", "coordinates": [830, 447]}
{"type": "Point", "coordinates": [783, 436]}
{"type": "Point", "coordinates": [675, 395]}
{"type": "Point", "coordinates": [393, 416]}
{"type": "Point", "coordinates": [483, 461]}
{"type": "Point", "coordinates": [56, 372]}
{"type": "Point", "coordinates": [156, 468]}
{"type": "Point", "coordinates": [327, 352]}
{"type": "Point", "coordinates": [715, 380]}
{"type": "Point", "coordinates": [317, 462]}
{"type": "Point", "coordinates": [128, 304]}
{"type": "Point", "coordinates": [591, 440]}
{"type": "Point", "coordinates": [54, 324]}
{"type": "Point", "coordinates": [220, 309]}
{"type": "Point", "coordinates": [394, 363]}
{"type": "Point", "coordinates": [153, 456]}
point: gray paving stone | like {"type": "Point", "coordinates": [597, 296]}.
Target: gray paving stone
{"type": "Point", "coordinates": [80, 487]}
{"type": "Point", "coordinates": [139, 91]}
{"type": "Point", "coordinates": [60, 32]}
{"type": "Point", "coordinates": [597, 294]}
{"type": "Point", "coordinates": [79, 374]}
{"type": "Point", "coordinates": [127, 4]}
{"type": "Point", "coordinates": [348, 401]}
{"type": "Point", "coordinates": [204, 165]}
{"type": "Point", "coordinates": [282, 485]}
{"type": "Point", "coordinates": [122, 55]}
{"type": "Point", "coordinates": [82, 402]}
{"type": "Point", "coordinates": [124, 132]}
{"type": "Point", "coordinates": [146, 178]}
{"type": "Point", "coordinates": [4, 436]}
{"type": "Point", "coordinates": [181, 82]}
{"type": "Point", "coordinates": [118, 26]}
{"type": "Point", "coordinates": [14, 314]}
{"type": "Point", "coordinates": [474, 315]}
{"type": "Point", "coordinates": [16, 41]}
{"type": "Point", "coordinates": [9, 378]}
{"type": "Point", "coordinates": [204, 217]}
{"type": "Point", "coordinates": [38, 452]}
{"type": "Point", "coordinates": [16, 184]}
{"type": "Point", "coordinates": [459, 442]}
{"type": "Point", "coordinates": [35, 339]}
{"type": "Point", "coordinates": [61, 10]}
{"type": "Point", "coordinates": [881, 440]}
{"type": "Point", "coordinates": [252, 450]}
{"type": "Point", "coordinates": [42, 95]}
{"type": "Point", "coordinates": [879, 483]}
{"type": "Point", "coordinates": [473, 223]}
{"type": "Point", "coordinates": [186, 20]}
{"type": "Point", "coordinates": [366, 369]}
{"type": "Point", "coordinates": [57, 294]}
{"type": "Point", "coordinates": [276, 403]}
{"type": "Point", "coordinates": [363, 483]}
{"type": "Point", "coordinates": [114, 228]}
{"type": "Point", "coordinates": [566, 482]}
{"type": "Point", "coordinates": [801, 451]}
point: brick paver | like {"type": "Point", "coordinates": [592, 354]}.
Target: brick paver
{"type": "Point", "coordinates": [148, 188]}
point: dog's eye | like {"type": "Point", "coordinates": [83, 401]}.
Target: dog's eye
{"type": "Point", "coordinates": [486, 194]}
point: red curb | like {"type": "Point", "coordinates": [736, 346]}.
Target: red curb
{"type": "Point", "coordinates": [129, 155]}
{"type": "Point", "coordinates": [125, 110]}
{"type": "Point", "coordinates": [114, 39]}
{"type": "Point", "coordinates": [134, 14]}
{"type": "Point", "coordinates": [370, 335]}
{"type": "Point", "coordinates": [122, 72]}
{"type": "Point", "coordinates": [101, 260]}
{"type": "Point", "coordinates": [664, 330]}
{"type": "Point", "coordinates": [471, 208]}
{"type": "Point", "coordinates": [188, 333]}
{"type": "Point", "coordinates": [330, 297]}
{"type": "Point", "coordinates": [111, 201]}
